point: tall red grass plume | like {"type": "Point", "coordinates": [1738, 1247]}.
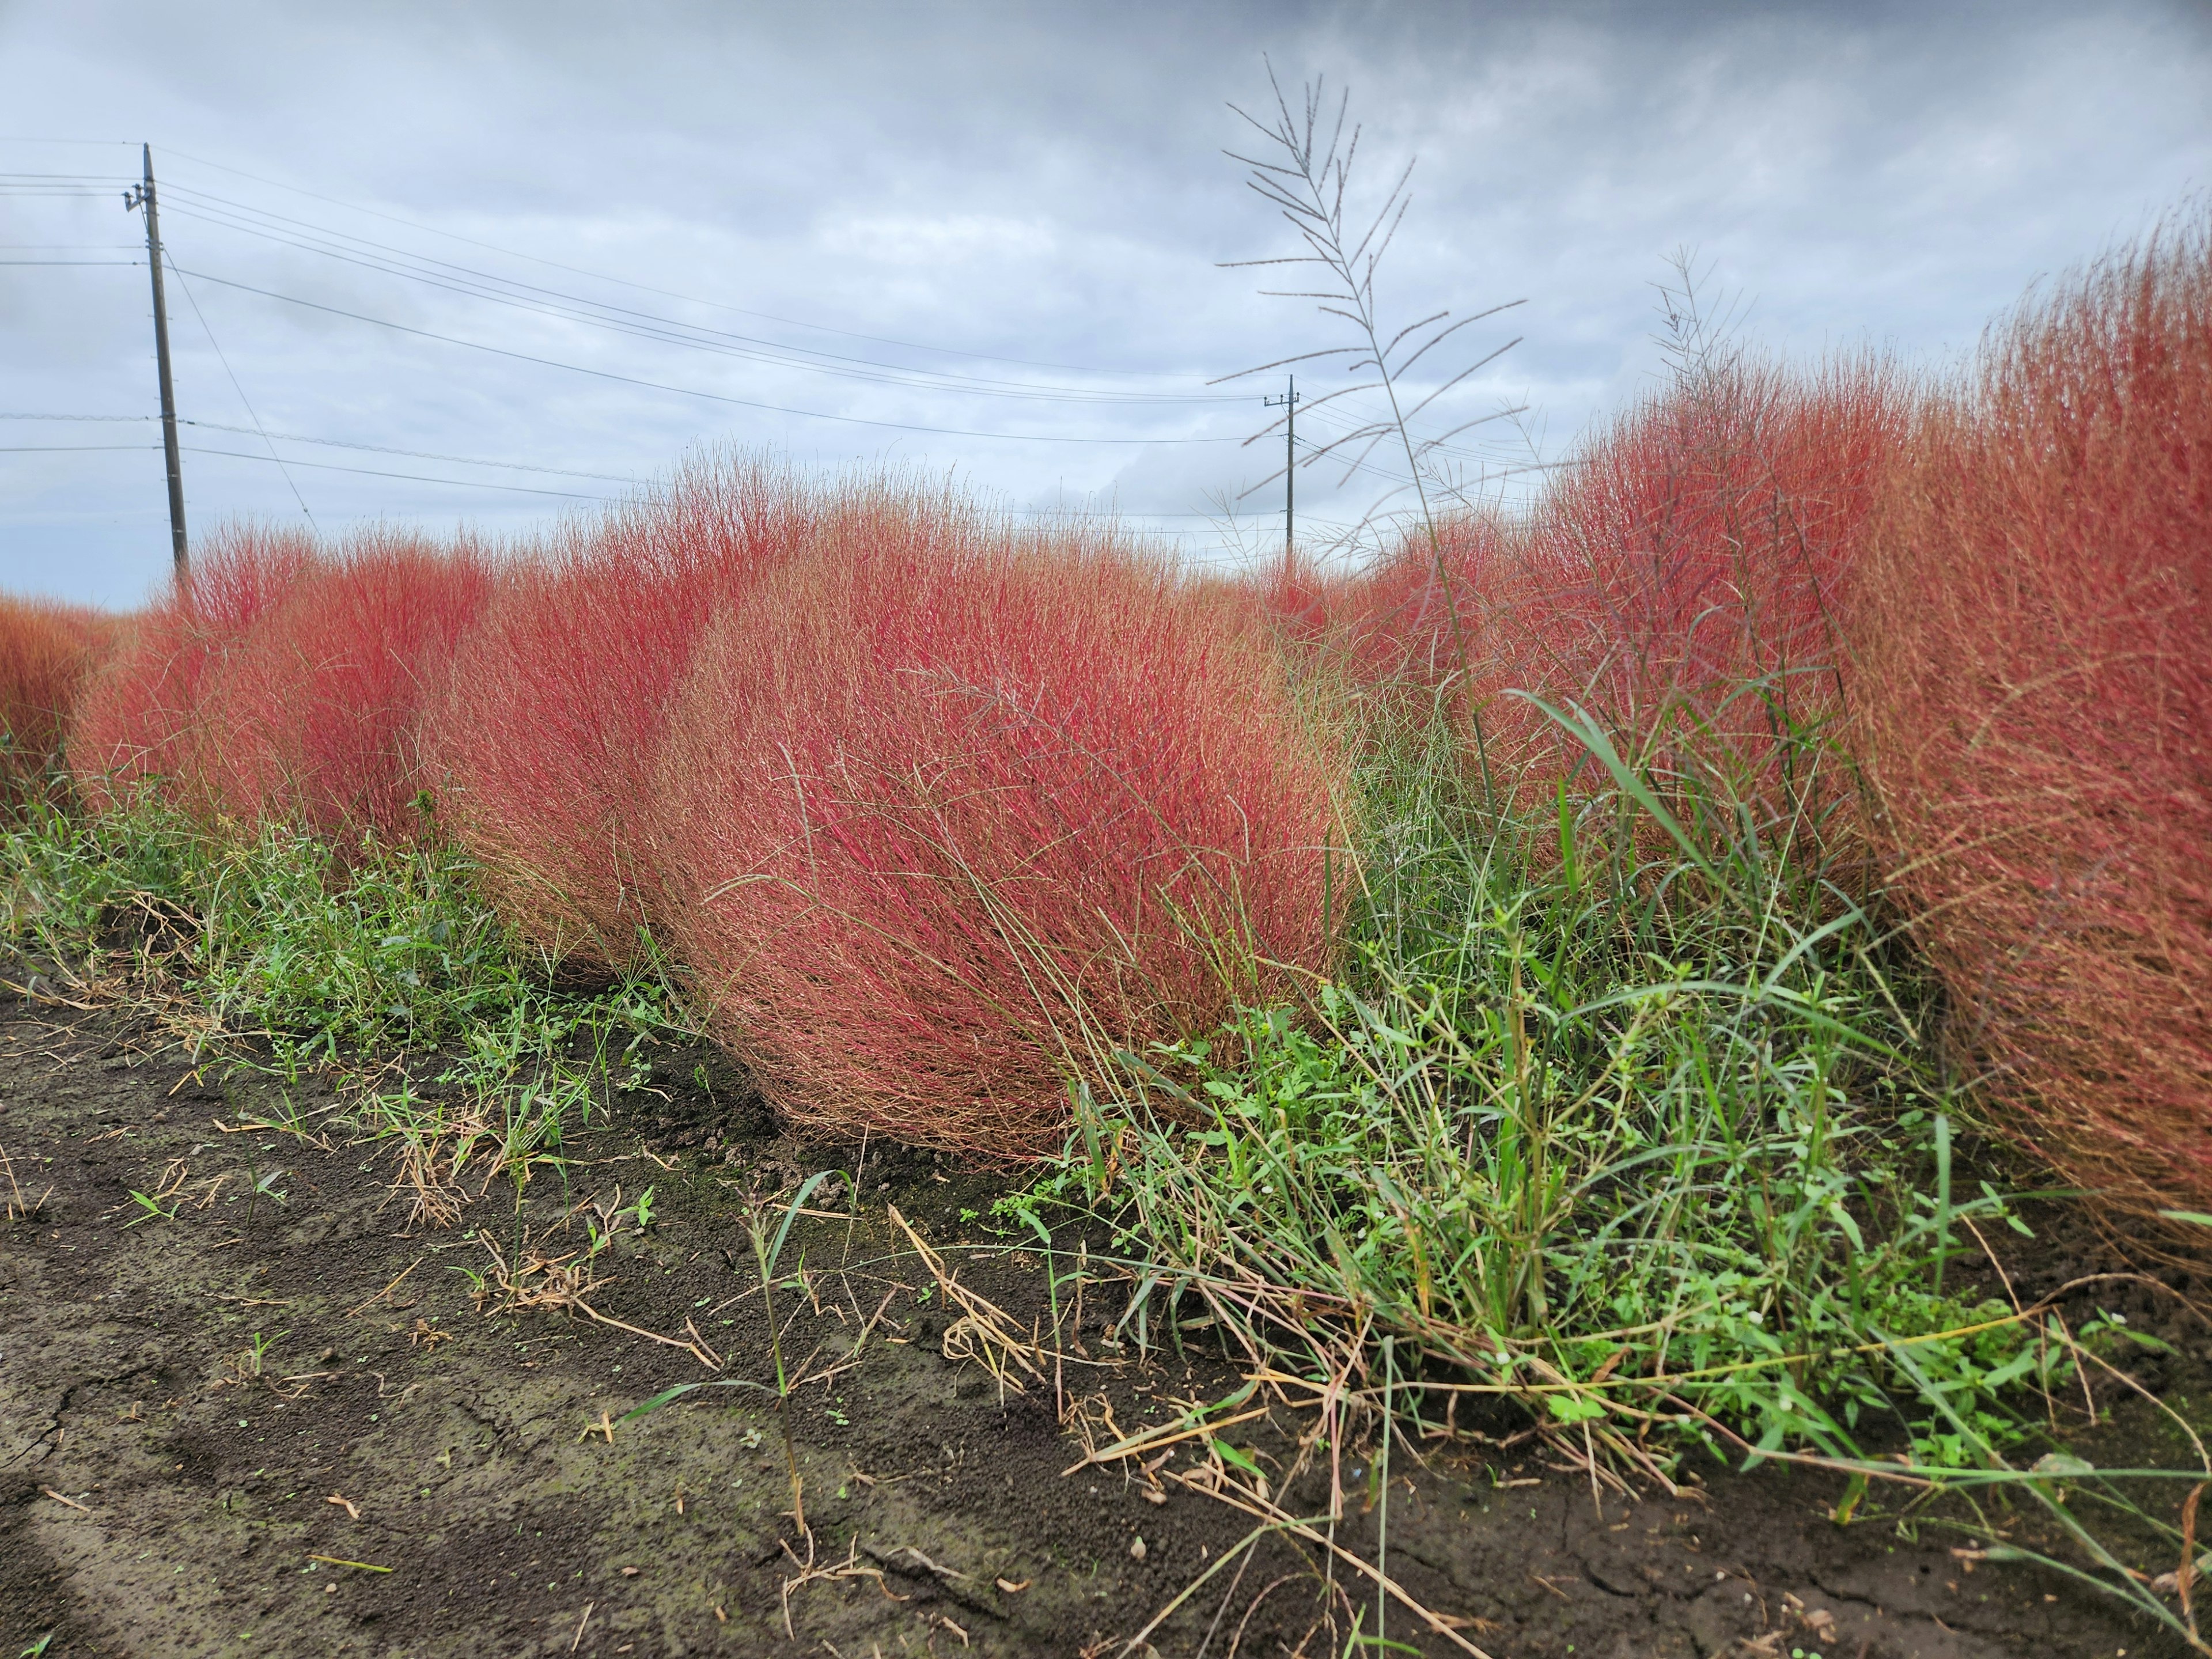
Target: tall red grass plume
{"type": "Point", "coordinates": [543, 745]}
{"type": "Point", "coordinates": [2034, 631]}
{"type": "Point", "coordinates": [312, 717]}
{"type": "Point", "coordinates": [959, 810]}
{"type": "Point", "coordinates": [138, 723]}
{"type": "Point", "coordinates": [1678, 580]}
{"type": "Point", "coordinates": [48, 653]}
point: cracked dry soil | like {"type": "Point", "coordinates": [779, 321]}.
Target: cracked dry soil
{"type": "Point", "coordinates": [218, 1439]}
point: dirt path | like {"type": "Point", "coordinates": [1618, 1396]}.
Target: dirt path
{"type": "Point", "coordinates": [314, 1436]}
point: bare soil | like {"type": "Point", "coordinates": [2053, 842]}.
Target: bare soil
{"type": "Point", "coordinates": [407, 1468]}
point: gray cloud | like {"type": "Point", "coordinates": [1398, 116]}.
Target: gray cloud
{"type": "Point", "coordinates": [1041, 183]}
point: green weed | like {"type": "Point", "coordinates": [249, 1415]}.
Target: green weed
{"type": "Point", "coordinates": [1620, 1110]}
{"type": "Point", "coordinates": [266, 948]}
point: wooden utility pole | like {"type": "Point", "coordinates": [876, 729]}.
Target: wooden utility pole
{"type": "Point", "coordinates": [1288, 403]}
{"type": "Point", "coordinates": [142, 197]}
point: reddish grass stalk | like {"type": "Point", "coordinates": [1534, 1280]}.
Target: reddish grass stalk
{"type": "Point", "coordinates": [48, 651]}
{"type": "Point", "coordinates": [139, 719]}
{"type": "Point", "coordinates": [312, 717]}
{"type": "Point", "coordinates": [2033, 623]}
{"type": "Point", "coordinates": [958, 810]}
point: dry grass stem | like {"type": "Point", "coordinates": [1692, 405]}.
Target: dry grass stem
{"type": "Point", "coordinates": [985, 1333]}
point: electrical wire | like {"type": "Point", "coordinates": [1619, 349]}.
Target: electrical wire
{"type": "Point", "coordinates": [342, 443]}
{"type": "Point", "coordinates": [643, 288]}
{"type": "Point", "coordinates": [688, 391]}
{"type": "Point", "coordinates": [379, 473]}
{"type": "Point", "coordinates": [223, 358]}
{"type": "Point", "coordinates": [419, 454]}
{"type": "Point", "coordinates": [184, 201]}
{"type": "Point", "coordinates": [325, 466]}
{"type": "Point", "coordinates": [545, 301]}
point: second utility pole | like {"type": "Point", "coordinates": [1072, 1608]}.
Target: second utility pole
{"type": "Point", "coordinates": [1288, 403]}
{"type": "Point", "coordinates": [143, 197]}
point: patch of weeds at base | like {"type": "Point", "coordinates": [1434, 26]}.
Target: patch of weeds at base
{"type": "Point", "coordinates": [265, 946]}
{"type": "Point", "coordinates": [1622, 1114]}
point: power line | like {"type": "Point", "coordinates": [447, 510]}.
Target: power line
{"type": "Point", "coordinates": [422, 454]}
{"type": "Point", "coordinates": [545, 301]}
{"type": "Point", "coordinates": [221, 357]}
{"type": "Point", "coordinates": [1125, 521]}
{"type": "Point", "coordinates": [688, 391]}
{"type": "Point", "coordinates": [342, 443]}
{"type": "Point", "coordinates": [655, 327]}
{"type": "Point", "coordinates": [579, 495]}
{"type": "Point", "coordinates": [347, 247]}
{"type": "Point", "coordinates": [418, 477]}
{"type": "Point", "coordinates": [644, 288]}
{"type": "Point", "coordinates": [323, 466]}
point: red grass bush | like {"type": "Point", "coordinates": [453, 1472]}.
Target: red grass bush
{"type": "Point", "coordinates": [138, 721]}
{"type": "Point", "coordinates": [956, 810]}
{"type": "Point", "coordinates": [48, 653]}
{"type": "Point", "coordinates": [1679, 580]}
{"type": "Point", "coordinates": [313, 715]}
{"type": "Point", "coordinates": [543, 746]}
{"type": "Point", "coordinates": [2034, 628]}
{"type": "Point", "coordinates": [1299, 599]}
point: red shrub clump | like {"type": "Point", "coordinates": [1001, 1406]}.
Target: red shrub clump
{"type": "Point", "coordinates": [313, 715]}
{"type": "Point", "coordinates": [1450, 617]}
{"type": "Point", "coordinates": [2035, 628]}
{"type": "Point", "coordinates": [47, 652]}
{"type": "Point", "coordinates": [543, 745]}
{"type": "Point", "coordinates": [956, 811]}
{"type": "Point", "coordinates": [139, 719]}
{"type": "Point", "coordinates": [1679, 580]}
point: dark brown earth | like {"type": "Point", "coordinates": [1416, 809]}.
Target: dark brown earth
{"type": "Point", "coordinates": [420, 1472]}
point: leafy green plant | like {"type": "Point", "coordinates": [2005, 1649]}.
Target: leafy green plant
{"type": "Point", "coordinates": [267, 949]}
{"type": "Point", "coordinates": [767, 1253]}
{"type": "Point", "coordinates": [1620, 1110]}
{"type": "Point", "coordinates": [149, 1210]}
{"type": "Point", "coordinates": [260, 1184]}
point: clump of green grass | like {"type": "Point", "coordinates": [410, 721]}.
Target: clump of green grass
{"type": "Point", "coordinates": [1620, 1112]}
{"type": "Point", "coordinates": [264, 948]}
{"type": "Point", "coordinates": [1623, 1112]}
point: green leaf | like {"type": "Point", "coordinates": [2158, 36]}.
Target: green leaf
{"type": "Point", "coordinates": [1574, 1407]}
{"type": "Point", "coordinates": [2063, 1466]}
{"type": "Point", "coordinates": [797, 1203]}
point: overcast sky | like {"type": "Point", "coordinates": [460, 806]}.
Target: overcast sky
{"type": "Point", "coordinates": [529, 255]}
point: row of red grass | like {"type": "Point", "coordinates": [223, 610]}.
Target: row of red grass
{"type": "Point", "coordinates": [1679, 584]}
{"type": "Point", "coordinates": [953, 821]}
{"type": "Point", "coordinates": [139, 722]}
{"type": "Point", "coordinates": [2033, 629]}
{"type": "Point", "coordinates": [544, 747]}
{"type": "Point", "coordinates": [932, 811]}
{"type": "Point", "coordinates": [315, 720]}
{"type": "Point", "coordinates": [280, 681]}
{"type": "Point", "coordinates": [48, 653]}
{"type": "Point", "coordinates": [1992, 600]}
